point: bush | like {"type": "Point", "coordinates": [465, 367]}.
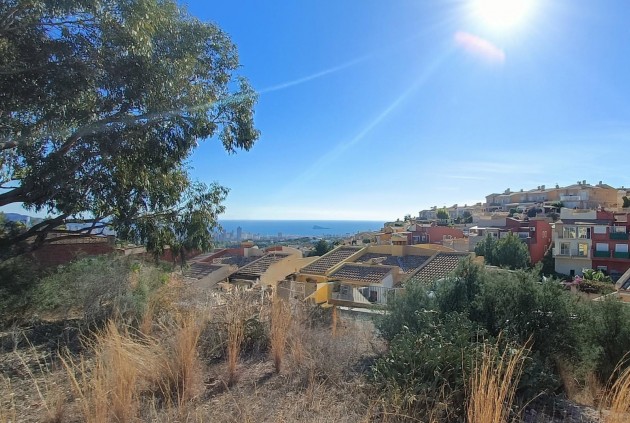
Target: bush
{"type": "Point", "coordinates": [97, 287]}
{"type": "Point", "coordinates": [18, 276]}
{"type": "Point", "coordinates": [422, 368]}
{"type": "Point", "coordinates": [430, 328]}
{"type": "Point", "coordinates": [606, 335]}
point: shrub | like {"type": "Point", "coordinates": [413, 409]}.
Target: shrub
{"type": "Point", "coordinates": [18, 276]}
{"type": "Point", "coordinates": [421, 368]}
{"type": "Point", "coordinates": [606, 335]}
{"type": "Point", "coordinates": [96, 288]}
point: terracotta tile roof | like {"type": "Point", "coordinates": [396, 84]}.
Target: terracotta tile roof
{"type": "Point", "coordinates": [440, 266]}
{"type": "Point", "coordinates": [408, 264]}
{"type": "Point", "coordinates": [200, 270]}
{"type": "Point", "coordinates": [361, 272]}
{"type": "Point", "coordinates": [330, 260]}
{"type": "Point", "coordinates": [260, 266]}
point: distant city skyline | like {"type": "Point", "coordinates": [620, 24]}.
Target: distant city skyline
{"type": "Point", "coordinates": [372, 110]}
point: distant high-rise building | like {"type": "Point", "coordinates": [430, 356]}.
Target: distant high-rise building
{"type": "Point", "coordinates": [239, 233]}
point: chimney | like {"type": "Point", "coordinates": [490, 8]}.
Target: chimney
{"type": "Point", "coordinates": [542, 187]}
{"type": "Point", "coordinates": [600, 183]}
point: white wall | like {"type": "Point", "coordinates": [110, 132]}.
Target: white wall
{"type": "Point", "coordinates": [564, 265]}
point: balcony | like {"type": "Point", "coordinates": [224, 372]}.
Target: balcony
{"type": "Point", "coordinates": [619, 235]}
{"type": "Point", "coordinates": [363, 296]}
{"type": "Point", "coordinates": [621, 255]}
{"type": "Point", "coordinates": [568, 253]}
{"type": "Point", "coordinates": [601, 254]}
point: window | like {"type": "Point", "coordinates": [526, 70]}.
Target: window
{"type": "Point", "coordinates": [568, 232]}
{"type": "Point", "coordinates": [582, 250]}
{"type": "Point", "coordinates": [583, 232]}
{"type": "Point", "coordinates": [601, 246]}
{"type": "Point", "coordinates": [565, 248]}
{"type": "Point", "coordinates": [618, 229]}
{"type": "Point", "coordinates": [599, 229]}
{"type": "Point", "coordinates": [621, 248]}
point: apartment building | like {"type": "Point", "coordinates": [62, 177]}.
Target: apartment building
{"type": "Point", "coordinates": [580, 195]}
{"type": "Point", "coordinates": [591, 239]}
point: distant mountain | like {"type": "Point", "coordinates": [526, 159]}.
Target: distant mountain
{"type": "Point", "coordinates": [27, 220]}
{"type": "Point", "coordinates": [319, 227]}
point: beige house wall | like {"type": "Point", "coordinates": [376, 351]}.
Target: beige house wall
{"type": "Point", "coordinates": [219, 275]}
{"type": "Point", "coordinates": [280, 270]}
{"type": "Point", "coordinates": [564, 265]}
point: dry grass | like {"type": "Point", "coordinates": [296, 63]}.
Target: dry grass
{"type": "Point", "coordinates": [51, 398]}
{"type": "Point", "coordinates": [618, 397]}
{"type": "Point", "coordinates": [493, 382]}
{"type": "Point", "coordinates": [239, 308]}
{"type": "Point", "coordinates": [280, 324]}
{"type": "Point", "coordinates": [7, 403]}
{"type": "Point", "coordinates": [182, 371]}
{"type": "Point", "coordinates": [125, 368]}
{"type": "Point", "coordinates": [111, 381]}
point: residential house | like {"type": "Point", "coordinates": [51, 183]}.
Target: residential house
{"type": "Point", "coordinates": [536, 233]}
{"type": "Point", "coordinates": [361, 277]}
{"type": "Point", "coordinates": [591, 239]}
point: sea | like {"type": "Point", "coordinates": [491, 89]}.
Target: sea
{"type": "Point", "coordinates": [300, 228]}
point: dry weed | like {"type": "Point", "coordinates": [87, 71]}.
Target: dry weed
{"type": "Point", "coordinates": [280, 324]}
{"type": "Point", "coordinates": [7, 403]}
{"type": "Point", "coordinates": [112, 381]}
{"type": "Point", "coordinates": [618, 397]}
{"type": "Point", "coordinates": [239, 308]}
{"type": "Point", "coordinates": [52, 399]}
{"type": "Point", "coordinates": [182, 370]}
{"type": "Point", "coordinates": [493, 383]}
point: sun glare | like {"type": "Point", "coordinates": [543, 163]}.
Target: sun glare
{"type": "Point", "coordinates": [502, 14]}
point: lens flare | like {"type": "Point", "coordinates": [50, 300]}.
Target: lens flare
{"type": "Point", "coordinates": [502, 14]}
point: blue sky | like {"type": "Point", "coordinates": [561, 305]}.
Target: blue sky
{"type": "Point", "coordinates": [375, 109]}
{"type": "Point", "coordinates": [372, 109]}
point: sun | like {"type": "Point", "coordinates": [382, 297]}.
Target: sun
{"type": "Point", "coordinates": [502, 15]}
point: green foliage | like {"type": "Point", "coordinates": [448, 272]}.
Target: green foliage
{"type": "Point", "coordinates": [485, 248]}
{"type": "Point", "coordinates": [532, 212]}
{"type": "Point", "coordinates": [467, 217]}
{"type": "Point", "coordinates": [437, 328]}
{"type": "Point", "coordinates": [607, 335]}
{"type": "Point", "coordinates": [321, 248]}
{"type": "Point", "coordinates": [17, 278]}
{"type": "Point", "coordinates": [103, 102]}
{"type": "Point", "coordinates": [548, 263]}
{"type": "Point", "coordinates": [509, 252]}
{"type": "Point", "coordinates": [95, 288]}
{"type": "Point", "coordinates": [596, 275]}
{"type": "Point", "coordinates": [442, 214]}
{"type": "Point", "coordinates": [410, 312]}
{"type": "Point", "coordinates": [420, 365]}
{"type": "Point", "coordinates": [626, 202]}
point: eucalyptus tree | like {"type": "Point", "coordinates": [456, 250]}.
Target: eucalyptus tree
{"type": "Point", "coordinates": [102, 103]}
